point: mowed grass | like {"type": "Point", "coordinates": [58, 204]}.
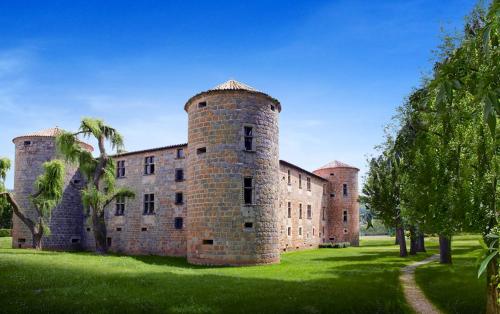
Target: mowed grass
{"type": "Point", "coordinates": [351, 280]}
{"type": "Point", "coordinates": [455, 288]}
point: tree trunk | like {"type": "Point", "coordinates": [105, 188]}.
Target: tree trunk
{"type": "Point", "coordinates": [37, 240]}
{"type": "Point", "coordinates": [99, 224]}
{"type": "Point", "coordinates": [444, 249]}
{"type": "Point", "coordinates": [413, 241]}
{"type": "Point", "coordinates": [492, 291]}
{"type": "Point", "coordinates": [400, 235]}
{"type": "Point", "coordinates": [421, 242]}
{"type": "Point", "coordinates": [396, 242]}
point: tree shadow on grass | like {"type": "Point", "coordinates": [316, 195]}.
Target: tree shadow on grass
{"type": "Point", "coordinates": [64, 287]}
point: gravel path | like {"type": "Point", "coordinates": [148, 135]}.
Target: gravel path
{"type": "Point", "coordinates": [414, 296]}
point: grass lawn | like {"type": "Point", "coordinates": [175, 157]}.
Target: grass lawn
{"type": "Point", "coordinates": [351, 280]}
{"type": "Point", "coordinates": [455, 288]}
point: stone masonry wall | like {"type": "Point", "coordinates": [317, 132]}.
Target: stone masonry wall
{"type": "Point", "coordinates": [338, 230]}
{"type": "Point", "coordinates": [305, 232]}
{"type": "Point", "coordinates": [137, 233]}
{"type": "Point", "coordinates": [67, 218]}
{"type": "Point", "coordinates": [216, 214]}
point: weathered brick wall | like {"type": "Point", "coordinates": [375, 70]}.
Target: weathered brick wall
{"type": "Point", "coordinates": [136, 233]}
{"type": "Point", "coordinates": [312, 229]}
{"type": "Point", "coordinates": [215, 179]}
{"type": "Point", "coordinates": [338, 230]}
{"type": "Point", "coordinates": [67, 218]}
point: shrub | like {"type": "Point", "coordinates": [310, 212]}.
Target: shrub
{"type": "Point", "coordinates": [5, 233]}
{"type": "Point", "coordinates": [334, 245]}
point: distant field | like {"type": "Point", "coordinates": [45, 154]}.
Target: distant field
{"type": "Point", "coordinates": [351, 280]}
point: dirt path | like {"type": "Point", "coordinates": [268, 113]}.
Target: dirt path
{"type": "Point", "coordinates": [414, 296]}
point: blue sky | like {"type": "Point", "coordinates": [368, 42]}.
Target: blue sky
{"type": "Point", "coordinates": [339, 68]}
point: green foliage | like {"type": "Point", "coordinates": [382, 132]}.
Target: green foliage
{"type": "Point", "coordinates": [49, 187]}
{"type": "Point", "coordinates": [330, 245]}
{"type": "Point", "coordinates": [5, 233]}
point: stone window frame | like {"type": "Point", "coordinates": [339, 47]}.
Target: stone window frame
{"type": "Point", "coordinates": [345, 216]}
{"type": "Point", "coordinates": [289, 179]}
{"type": "Point", "coordinates": [300, 232]}
{"type": "Point", "coordinates": [247, 188]}
{"type": "Point", "coordinates": [177, 177]}
{"type": "Point", "coordinates": [252, 137]}
{"type": "Point", "coordinates": [120, 206]}
{"type": "Point", "coordinates": [323, 213]}
{"type": "Point", "coordinates": [345, 191]}
{"type": "Point", "coordinates": [289, 209]}
{"type": "Point", "coordinates": [308, 183]}
{"type": "Point", "coordinates": [289, 231]}
{"type": "Point", "coordinates": [149, 165]}
{"type": "Point", "coordinates": [314, 231]}
{"type": "Point", "coordinates": [120, 168]}
{"type": "Point", "coordinates": [309, 211]}
{"type": "Point", "coordinates": [179, 198]}
{"type": "Point", "coordinates": [149, 204]}
{"type": "Point", "coordinates": [180, 153]}
{"type": "Point", "coordinates": [300, 210]}
{"type": "Point", "coordinates": [300, 181]}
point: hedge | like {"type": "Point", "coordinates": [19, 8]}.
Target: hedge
{"type": "Point", "coordinates": [5, 233]}
{"type": "Point", "coordinates": [334, 245]}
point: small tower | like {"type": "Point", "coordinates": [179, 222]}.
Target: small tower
{"type": "Point", "coordinates": [32, 150]}
{"type": "Point", "coordinates": [233, 172]}
{"type": "Point", "coordinates": [343, 206]}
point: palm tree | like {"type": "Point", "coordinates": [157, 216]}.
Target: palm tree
{"type": "Point", "coordinates": [99, 172]}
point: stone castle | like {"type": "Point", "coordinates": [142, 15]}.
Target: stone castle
{"type": "Point", "coordinates": [224, 198]}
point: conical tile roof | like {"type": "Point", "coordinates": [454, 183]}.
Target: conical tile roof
{"type": "Point", "coordinates": [51, 132]}
{"type": "Point", "coordinates": [336, 164]}
{"type": "Point", "coordinates": [233, 85]}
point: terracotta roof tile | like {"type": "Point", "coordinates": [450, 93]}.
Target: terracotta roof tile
{"type": "Point", "coordinates": [336, 164]}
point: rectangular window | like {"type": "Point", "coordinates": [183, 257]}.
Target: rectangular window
{"type": "Point", "coordinates": [289, 231]}
{"type": "Point", "coordinates": [344, 189]}
{"type": "Point", "coordinates": [179, 175]}
{"type": "Point", "coordinates": [289, 209]}
{"type": "Point", "coordinates": [248, 225]}
{"type": "Point", "coordinates": [208, 242]}
{"type": "Point", "coordinates": [314, 231]}
{"type": "Point", "coordinates": [120, 206]}
{"type": "Point", "coordinates": [201, 150]}
{"type": "Point", "coordinates": [27, 143]}
{"type": "Point", "coordinates": [323, 213]}
{"type": "Point", "coordinates": [289, 177]}
{"type": "Point", "coordinates": [248, 130]}
{"type": "Point", "coordinates": [248, 190]}
{"type": "Point", "coordinates": [149, 204]}
{"type": "Point", "coordinates": [149, 165]}
{"type": "Point", "coordinates": [180, 153]}
{"type": "Point", "coordinates": [300, 211]}
{"type": "Point", "coordinates": [309, 212]}
{"type": "Point", "coordinates": [179, 198]}
{"type": "Point", "coordinates": [308, 184]}
{"type": "Point", "coordinates": [344, 219]}
{"type": "Point", "coordinates": [300, 231]}
{"type": "Point", "coordinates": [120, 169]}
{"type": "Point", "coordinates": [300, 181]}
{"type": "Point", "coordinates": [178, 222]}
{"type": "Point", "coordinates": [202, 104]}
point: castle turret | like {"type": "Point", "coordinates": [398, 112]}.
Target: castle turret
{"type": "Point", "coordinates": [233, 171]}
{"type": "Point", "coordinates": [66, 222]}
{"type": "Point", "coordinates": [343, 208]}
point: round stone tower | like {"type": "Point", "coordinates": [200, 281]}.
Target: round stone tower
{"type": "Point", "coordinates": [343, 207]}
{"type": "Point", "coordinates": [66, 222]}
{"type": "Point", "coordinates": [233, 173]}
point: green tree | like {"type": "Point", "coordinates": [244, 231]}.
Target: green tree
{"type": "Point", "coordinates": [99, 172]}
{"type": "Point", "coordinates": [381, 193]}
{"type": "Point", "coordinates": [49, 191]}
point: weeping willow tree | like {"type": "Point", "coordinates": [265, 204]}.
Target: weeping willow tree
{"type": "Point", "coordinates": [49, 190]}
{"type": "Point", "coordinates": [99, 172]}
